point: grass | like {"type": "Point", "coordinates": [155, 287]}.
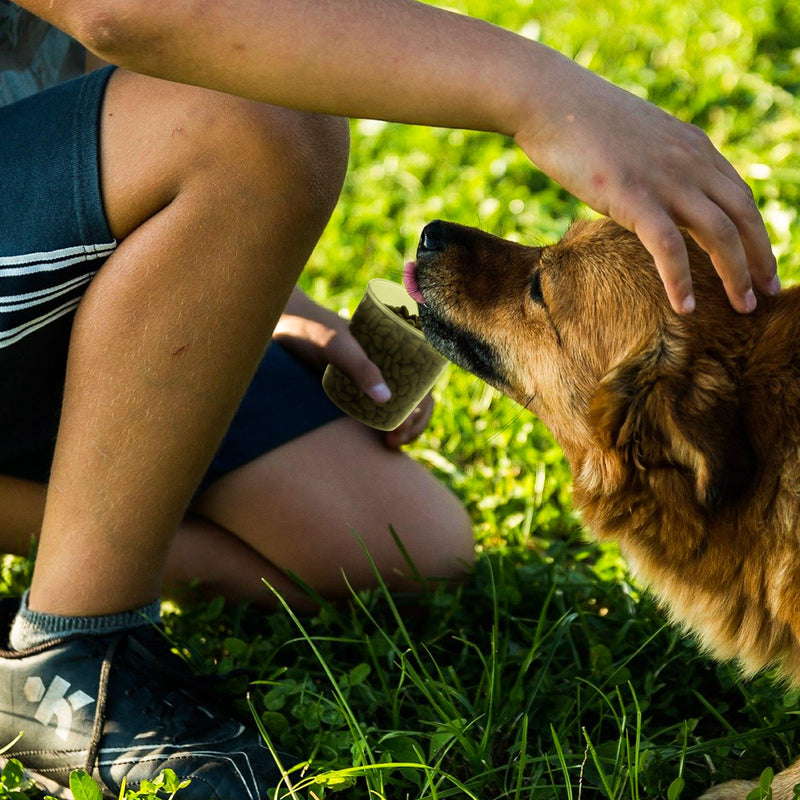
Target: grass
{"type": "Point", "coordinates": [549, 674]}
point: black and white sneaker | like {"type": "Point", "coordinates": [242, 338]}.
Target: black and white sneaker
{"type": "Point", "coordinates": [120, 706]}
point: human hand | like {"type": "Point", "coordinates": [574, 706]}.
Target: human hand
{"type": "Point", "coordinates": [318, 337]}
{"type": "Point", "coordinates": [651, 173]}
{"type": "Point", "coordinates": [412, 426]}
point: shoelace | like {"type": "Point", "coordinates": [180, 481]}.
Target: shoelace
{"type": "Point", "coordinates": [100, 706]}
{"type": "Point", "coordinates": [172, 673]}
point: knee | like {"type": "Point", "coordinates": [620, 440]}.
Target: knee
{"type": "Point", "coordinates": [312, 151]}
{"type": "Point", "coordinates": [441, 540]}
{"type": "Point", "coordinates": [453, 548]}
{"type": "Point", "coordinates": [283, 158]}
{"type": "Point", "coordinates": [263, 168]}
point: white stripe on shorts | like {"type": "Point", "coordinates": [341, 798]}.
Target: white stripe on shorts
{"type": "Point", "coordinates": [57, 267]}
{"type": "Point", "coordinates": [17, 302]}
{"type": "Point", "coordinates": [13, 266]}
{"type": "Point", "coordinates": [21, 331]}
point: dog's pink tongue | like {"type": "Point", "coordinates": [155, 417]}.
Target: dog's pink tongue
{"type": "Point", "coordinates": [410, 281]}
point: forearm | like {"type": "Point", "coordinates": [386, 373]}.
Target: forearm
{"type": "Point", "coordinates": [385, 59]}
{"type": "Point", "coordinates": [302, 313]}
{"type": "Point", "coordinates": [410, 62]}
{"type": "Point", "coordinates": [301, 305]}
{"type": "Point", "coordinates": [306, 328]}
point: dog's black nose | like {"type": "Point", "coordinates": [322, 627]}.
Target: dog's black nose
{"type": "Point", "coordinates": [433, 238]}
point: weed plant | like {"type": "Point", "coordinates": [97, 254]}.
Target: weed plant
{"type": "Point", "coordinates": [549, 673]}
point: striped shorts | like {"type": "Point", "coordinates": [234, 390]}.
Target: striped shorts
{"type": "Point", "coordinates": [54, 237]}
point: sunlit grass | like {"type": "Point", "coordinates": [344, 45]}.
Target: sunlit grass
{"type": "Point", "coordinates": [549, 674]}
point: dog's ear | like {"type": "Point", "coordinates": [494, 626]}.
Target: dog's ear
{"type": "Point", "coordinates": [659, 417]}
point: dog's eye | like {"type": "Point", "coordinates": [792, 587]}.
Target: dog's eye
{"type": "Point", "coordinates": [536, 288]}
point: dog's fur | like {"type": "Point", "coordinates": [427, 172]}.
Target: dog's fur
{"type": "Point", "coordinates": [683, 432]}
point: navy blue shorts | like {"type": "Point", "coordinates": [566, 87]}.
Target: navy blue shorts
{"type": "Point", "coordinates": [53, 239]}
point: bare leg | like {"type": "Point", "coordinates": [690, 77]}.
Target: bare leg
{"type": "Point", "coordinates": [21, 511]}
{"type": "Point", "coordinates": [301, 506]}
{"type": "Point", "coordinates": [350, 482]}
{"type": "Point", "coordinates": [218, 203]}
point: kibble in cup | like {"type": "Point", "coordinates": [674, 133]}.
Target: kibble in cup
{"type": "Point", "coordinates": [385, 325]}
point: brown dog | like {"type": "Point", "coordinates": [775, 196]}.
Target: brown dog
{"type": "Point", "coordinates": [683, 432]}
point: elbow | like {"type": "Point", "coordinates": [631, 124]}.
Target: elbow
{"type": "Point", "coordinates": [120, 31]}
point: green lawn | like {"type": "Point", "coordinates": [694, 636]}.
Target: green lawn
{"type": "Point", "coordinates": [549, 674]}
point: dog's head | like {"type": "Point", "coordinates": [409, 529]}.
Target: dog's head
{"type": "Point", "coordinates": [581, 332]}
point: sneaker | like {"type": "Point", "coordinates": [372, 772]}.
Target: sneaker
{"type": "Point", "coordinates": [119, 706]}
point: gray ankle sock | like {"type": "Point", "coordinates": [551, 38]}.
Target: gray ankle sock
{"type": "Point", "coordinates": [31, 628]}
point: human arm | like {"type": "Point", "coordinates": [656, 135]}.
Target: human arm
{"type": "Point", "coordinates": [407, 61]}
{"type": "Point", "coordinates": [318, 337]}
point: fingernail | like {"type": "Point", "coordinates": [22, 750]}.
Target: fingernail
{"type": "Point", "coordinates": [774, 285]}
{"type": "Point", "coordinates": [750, 301]}
{"type": "Point", "coordinates": [688, 304]}
{"type": "Point", "coordinates": [380, 392]}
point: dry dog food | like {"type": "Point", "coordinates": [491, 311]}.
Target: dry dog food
{"type": "Point", "coordinates": [404, 313]}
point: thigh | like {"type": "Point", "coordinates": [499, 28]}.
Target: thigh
{"type": "Point", "coordinates": [53, 239]}
{"type": "Point", "coordinates": [304, 506]}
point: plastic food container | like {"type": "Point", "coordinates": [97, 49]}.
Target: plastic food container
{"type": "Point", "coordinates": [383, 325]}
